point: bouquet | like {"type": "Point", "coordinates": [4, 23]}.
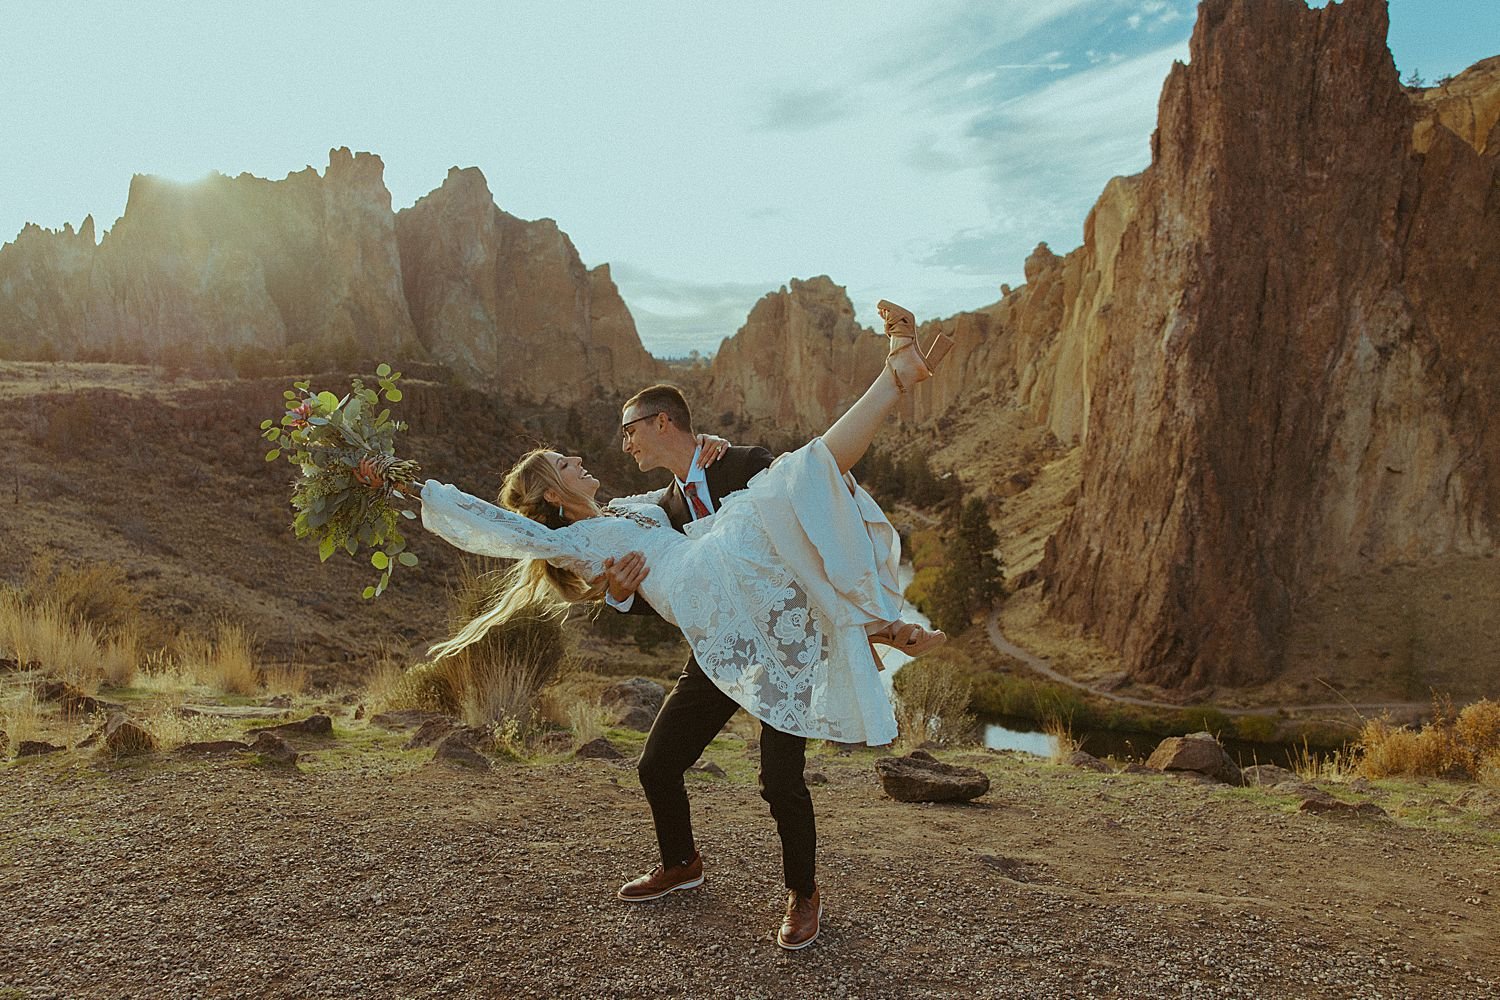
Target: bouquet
{"type": "Point", "coordinates": [347, 493]}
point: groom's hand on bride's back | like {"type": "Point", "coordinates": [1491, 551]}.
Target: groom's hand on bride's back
{"type": "Point", "coordinates": [623, 576]}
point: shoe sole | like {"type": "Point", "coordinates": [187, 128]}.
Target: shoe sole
{"type": "Point", "coordinates": [798, 947]}
{"type": "Point", "coordinates": [695, 883]}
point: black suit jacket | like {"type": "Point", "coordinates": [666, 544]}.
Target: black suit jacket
{"type": "Point", "coordinates": [730, 474]}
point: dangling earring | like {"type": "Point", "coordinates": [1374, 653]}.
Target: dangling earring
{"type": "Point", "coordinates": [560, 514]}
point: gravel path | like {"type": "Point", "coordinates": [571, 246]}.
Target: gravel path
{"type": "Point", "coordinates": [373, 872]}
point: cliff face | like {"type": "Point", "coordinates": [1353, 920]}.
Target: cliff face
{"type": "Point", "coordinates": [508, 303]}
{"type": "Point", "coordinates": [1295, 375]}
{"type": "Point", "coordinates": [306, 265]}
{"type": "Point", "coordinates": [799, 360]}
{"type": "Point", "coordinates": [317, 267]}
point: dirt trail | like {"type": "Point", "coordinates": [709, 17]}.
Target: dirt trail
{"type": "Point", "coordinates": [373, 872]}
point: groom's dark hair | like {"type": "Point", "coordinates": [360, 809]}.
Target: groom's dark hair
{"type": "Point", "coordinates": [664, 398]}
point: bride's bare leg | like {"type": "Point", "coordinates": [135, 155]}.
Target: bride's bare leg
{"type": "Point", "coordinates": [850, 436]}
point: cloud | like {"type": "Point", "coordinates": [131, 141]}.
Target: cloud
{"type": "Point", "coordinates": [677, 316]}
{"type": "Point", "coordinates": [804, 110]}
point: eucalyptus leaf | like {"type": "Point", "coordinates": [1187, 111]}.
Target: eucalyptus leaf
{"type": "Point", "coordinates": [407, 559]}
{"type": "Point", "coordinates": [394, 395]}
{"type": "Point", "coordinates": [289, 394]}
{"type": "Point", "coordinates": [351, 546]}
{"type": "Point", "coordinates": [273, 454]}
{"type": "Point", "coordinates": [383, 370]}
{"type": "Point", "coordinates": [380, 560]}
{"type": "Point", "coordinates": [409, 515]}
{"type": "Point", "coordinates": [325, 549]}
{"type": "Point", "coordinates": [273, 433]}
{"type": "Point", "coordinates": [327, 401]}
{"type": "Point", "coordinates": [265, 424]}
{"type": "Point", "coordinates": [369, 592]}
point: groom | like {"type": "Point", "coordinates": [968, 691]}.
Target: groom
{"type": "Point", "coordinates": [656, 430]}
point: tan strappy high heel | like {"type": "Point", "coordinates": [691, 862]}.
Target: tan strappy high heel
{"type": "Point", "coordinates": [901, 328]}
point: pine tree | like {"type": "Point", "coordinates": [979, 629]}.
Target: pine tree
{"type": "Point", "coordinates": [971, 579]}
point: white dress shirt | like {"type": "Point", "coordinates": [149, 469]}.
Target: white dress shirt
{"type": "Point", "coordinates": [699, 478]}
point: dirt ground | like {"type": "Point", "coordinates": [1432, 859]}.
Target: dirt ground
{"type": "Point", "coordinates": [375, 871]}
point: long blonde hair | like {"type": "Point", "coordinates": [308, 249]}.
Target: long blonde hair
{"type": "Point", "coordinates": [532, 588]}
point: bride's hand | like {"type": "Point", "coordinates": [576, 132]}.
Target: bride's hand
{"type": "Point", "coordinates": [711, 448]}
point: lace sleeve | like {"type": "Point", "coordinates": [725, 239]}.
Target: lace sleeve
{"type": "Point", "coordinates": [654, 498]}
{"type": "Point", "coordinates": [484, 529]}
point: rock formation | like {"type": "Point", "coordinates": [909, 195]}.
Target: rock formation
{"type": "Point", "coordinates": [799, 360]}
{"type": "Point", "coordinates": [310, 267]}
{"type": "Point", "coordinates": [508, 303]}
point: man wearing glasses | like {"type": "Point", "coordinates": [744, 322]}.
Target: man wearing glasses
{"type": "Point", "coordinates": [656, 429]}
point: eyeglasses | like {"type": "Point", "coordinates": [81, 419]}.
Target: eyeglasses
{"type": "Point", "coordinates": [626, 434]}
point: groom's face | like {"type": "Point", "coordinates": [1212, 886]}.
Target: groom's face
{"type": "Point", "coordinates": [643, 433]}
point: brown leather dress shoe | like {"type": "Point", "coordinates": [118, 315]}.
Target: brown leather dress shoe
{"type": "Point", "coordinates": [662, 880]}
{"type": "Point", "coordinates": [800, 926]}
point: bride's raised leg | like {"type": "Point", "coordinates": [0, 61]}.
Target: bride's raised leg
{"type": "Point", "coordinates": [851, 434]}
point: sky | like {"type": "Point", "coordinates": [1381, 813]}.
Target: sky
{"type": "Point", "coordinates": [708, 152]}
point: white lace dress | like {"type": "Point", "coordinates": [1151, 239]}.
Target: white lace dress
{"type": "Point", "coordinates": [774, 592]}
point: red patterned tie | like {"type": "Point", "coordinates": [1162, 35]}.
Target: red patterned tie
{"type": "Point", "coordinates": [700, 509]}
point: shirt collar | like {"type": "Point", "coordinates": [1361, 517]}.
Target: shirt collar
{"type": "Point", "coordinates": [696, 474]}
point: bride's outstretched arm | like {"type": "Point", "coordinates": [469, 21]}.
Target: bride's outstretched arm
{"type": "Point", "coordinates": [478, 526]}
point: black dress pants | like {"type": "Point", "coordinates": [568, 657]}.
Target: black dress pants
{"type": "Point", "coordinates": [691, 716]}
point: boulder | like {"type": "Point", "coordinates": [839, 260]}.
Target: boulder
{"type": "Point", "coordinates": [432, 732]}
{"type": "Point", "coordinates": [274, 750]}
{"type": "Point", "coordinates": [1086, 761]}
{"type": "Point", "coordinates": [811, 778]}
{"type": "Point", "coordinates": [208, 748]}
{"type": "Point", "coordinates": [1198, 753]}
{"type": "Point", "coordinates": [1329, 806]}
{"type": "Point", "coordinates": [1267, 774]}
{"type": "Point", "coordinates": [313, 725]}
{"type": "Point", "coordinates": [35, 748]}
{"type": "Point", "coordinates": [637, 700]}
{"type": "Point", "coordinates": [458, 749]}
{"type": "Point", "coordinates": [917, 777]}
{"type": "Point", "coordinates": [73, 701]}
{"type": "Point", "coordinates": [404, 718]}
{"type": "Point", "coordinates": [599, 749]}
{"type": "Point", "coordinates": [124, 738]}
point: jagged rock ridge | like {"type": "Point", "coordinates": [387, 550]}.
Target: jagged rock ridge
{"type": "Point", "coordinates": [313, 267]}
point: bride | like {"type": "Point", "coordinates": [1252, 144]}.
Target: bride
{"type": "Point", "coordinates": [780, 593]}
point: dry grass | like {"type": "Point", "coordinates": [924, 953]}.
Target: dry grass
{"type": "Point", "coordinates": [1310, 765]}
{"type": "Point", "coordinates": [1066, 743]}
{"type": "Point", "coordinates": [120, 659]}
{"type": "Point", "coordinates": [228, 663]}
{"type": "Point", "coordinates": [97, 594]}
{"type": "Point", "coordinates": [578, 710]}
{"type": "Point", "coordinates": [21, 719]}
{"type": "Point", "coordinates": [66, 647]}
{"type": "Point", "coordinates": [932, 703]}
{"type": "Point", "coordinates": [286, 678]}
{"type": "Point", "coordinates": [1464, 744]}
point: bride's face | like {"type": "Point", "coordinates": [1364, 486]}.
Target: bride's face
{"type": "Point", "coordinates": [573, 475]}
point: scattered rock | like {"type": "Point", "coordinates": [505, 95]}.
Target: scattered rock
{"type": "Point", "coordinates": [403, 718]}
{"type": "Point", "coordinates": [1136, 767]}
{"type": "Point", "coordinates": [457, 748]}
{"type": "Point", "coordinates": [917, 777]}
{"type": "Point", "coordinates": [209, 748]}
{"type": "Point", "coordinates": [73, 701]}
{"type": "Point", "coordinates": [359, 711]}
{"type": "Point", "coordinates": [1326, 804]}
{"type": "Point", "coordinates": [1198, 753]}
{"type": "Point", "coordinates": [274, 750]}
{"type": "Point", "coordinates": [637, 699]}
{"type": "Point", "coordinates": [599, 749]}
{"type": "Point", "coordinates": [814, 778]}
{"type": "Point", "coordinates": [35, 748]}
{"type": "Point", "coordinates": [124, 738]}
{"type": "Point", "coordinates": [1009, 867]}
{"type": "Point", "coordinates": [432, 732]}
{"type": "Point", "coordinates": [708, 767]}
{"type": "Point", "coordinates": [1267, 774]}
{"type": "Point", "coordinates": [313, 725]}
{"type": "Point", "coordinates": [1087, 761]}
